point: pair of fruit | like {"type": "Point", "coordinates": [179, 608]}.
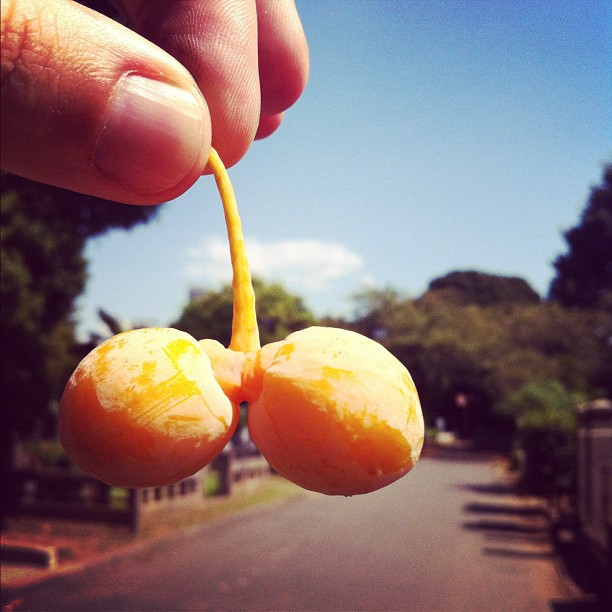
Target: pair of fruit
{"type": "Point", "coordinates": [331, 410]}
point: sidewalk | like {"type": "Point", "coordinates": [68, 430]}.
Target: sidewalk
{"type": "Point", "coordinates": [53, 547]}
{"type": "Point", "coordinates": [508, 513]}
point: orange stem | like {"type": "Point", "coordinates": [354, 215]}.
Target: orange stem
{"type": "Point", "coordinates": [245, 333]}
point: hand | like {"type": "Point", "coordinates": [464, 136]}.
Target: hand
{"type": "Point", "coordinates": [91, 106]}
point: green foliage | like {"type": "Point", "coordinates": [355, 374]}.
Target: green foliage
{"type": "Point", "coordinates": [43, 234]}
{"type": "Point", "coordinates": [550, 342]}
{"type": "Point", "coordinates": [540, 405]}
{"type": "Point", "coordinates": [584, 273]}
{"type": "Point", "coordinates": [545, 416]}
{"type": "Point", "coordinates": [45, 452]}
{"type": "Point", "coordinates": [374, 310]}
{"type": "Point", "coordinates": [278, 314]}
{"type": "Point", "coordinates": [43, 271]}
{"type": "Point", "coordinates": [452, 383]}
{"type": "Point", "coordinates": [471, 287]}
{"type": "Point", "coordinates": [209, 316]}
{"type": "Point", "coordinates": [485, 353]}
{"type": "Point", "coordinates": [77, 214]}
{"type": "Point", "coordinates": [212, 483]}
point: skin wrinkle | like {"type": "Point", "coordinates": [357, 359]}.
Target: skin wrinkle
{"type": "Point", "coordinates": [13, 42]}
{"type": "Point", "coordinates": [222, 59]}
{"type": "Point", "coordinates": [32, 61]}
{"type": "Point", "coordinates": [17, 66]}
{"type": "Point", "coordinates": [35, 61]}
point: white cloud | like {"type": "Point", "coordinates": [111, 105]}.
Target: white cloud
{"type": "Point", "coordinates": [312, 265]}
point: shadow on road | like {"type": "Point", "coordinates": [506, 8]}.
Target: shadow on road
{"type": "Point", "coordinates": [489, 526]}
{"type": "Point", "coordinates": [515, 554]}
{"type": "Point", "coordinates": [512, 521]}
{"type": "Point", "coordinates": [486, 508]}
{"type": "Point", "coordinates": [519, 527]}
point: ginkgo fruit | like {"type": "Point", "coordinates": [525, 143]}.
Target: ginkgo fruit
{"type": "Point", "coordinates": [331, 410]}
{"type": "Point", "coordinates": [144, 409]}
{"type": "Point", "coordinates": [335, 412]}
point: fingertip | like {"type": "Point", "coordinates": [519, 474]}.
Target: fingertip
{"type": "Point", "coordinates": [268, 124]}
{"type": "Point", "coordinates": [154, 137]}
{"type": "Point", "coordinates": [102, 111]}
{"type": "Point", "coordinates": [217, 42]}
{"type": "Point", "coordinates": [283, 55]}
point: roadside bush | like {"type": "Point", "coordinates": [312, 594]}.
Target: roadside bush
{"type": "Point", "coordinates": [545, 417]}
{"type": "Point", "coordinates": [45, 453]}
{"type": "Point", "coordinates": [549, 452]}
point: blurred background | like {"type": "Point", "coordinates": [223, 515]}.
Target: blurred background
{"type": "Point", "coordinates": [443, 186]}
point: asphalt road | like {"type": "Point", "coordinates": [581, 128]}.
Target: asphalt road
{"type": "Point", "coordinates": [446, 537]}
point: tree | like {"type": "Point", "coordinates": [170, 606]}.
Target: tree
{"type": "Point", "coordinates": [549, 342]}
{"type": "Point", "coordinates": [374, 310]}
{"type": "Point", "coordinates": [452, 383]}
{"type": "Point", "coordinates": [278, 314]}
{"type": "Point", "coordinates": [44, 232]}
{"type": "Point", "coordinates": [465, 358]}
{"type": "Point", "coordinates": [209, 316]}
{"type": "Point", "coordinates": [584, 273]}
{"type": "Point", "coordinates": [481, 289]}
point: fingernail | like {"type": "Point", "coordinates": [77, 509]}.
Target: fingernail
{"type": "Point", "coordinates": [153, 135]}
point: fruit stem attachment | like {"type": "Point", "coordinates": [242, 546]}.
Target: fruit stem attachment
{"type": "Point", "coordinates": [245, 333]}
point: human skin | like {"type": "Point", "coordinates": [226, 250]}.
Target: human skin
{"type": "Point", "coordinates": [130, 115]}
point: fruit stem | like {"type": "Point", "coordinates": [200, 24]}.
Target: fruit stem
{"type": "Point", "coordinates": [245, 333]}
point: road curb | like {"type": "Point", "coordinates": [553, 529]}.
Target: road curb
{"type": "Point", "coordinates": [27, 577]}
{"type": "Point", "coordinates": [38, 555]}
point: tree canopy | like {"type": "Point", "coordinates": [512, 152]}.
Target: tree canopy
{"type": "Point", "coordinates": [278, 314]}
{"type": "Point", "coordinates": [584, 274]}
{"type": "Point", "coordinates": [465, 354]}
{"type": "Point", "coordinates": [43, 234]}
{"type": "Point", "coordinates": [481, 289]}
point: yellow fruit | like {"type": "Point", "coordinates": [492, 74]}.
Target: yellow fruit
{"type": "Point", "coordinates": [335, 412]}
{"type": "Point", "coordinates": [144, 409]}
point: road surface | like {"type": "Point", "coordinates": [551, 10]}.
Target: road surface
{"type": "Point", "coordinates": [444, 538]}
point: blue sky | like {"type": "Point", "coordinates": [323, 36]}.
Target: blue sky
{"type": "Point", "coordinates": [433, 136]}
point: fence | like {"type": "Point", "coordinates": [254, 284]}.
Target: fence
{"type": "Point", "coordinates": [594, 478]}
{"type": "Point", "coordinates": [240, 470]}
{"type": "Point", "coordinates": [61, 493]}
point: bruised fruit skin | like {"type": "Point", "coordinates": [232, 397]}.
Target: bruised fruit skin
{"type": "Point", "coordinates": [144, 409]}
{"type": "Point", "coordinates": [336, 413]}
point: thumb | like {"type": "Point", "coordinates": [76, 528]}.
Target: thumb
{"type": "Point", "coordinates": [90, 106]}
